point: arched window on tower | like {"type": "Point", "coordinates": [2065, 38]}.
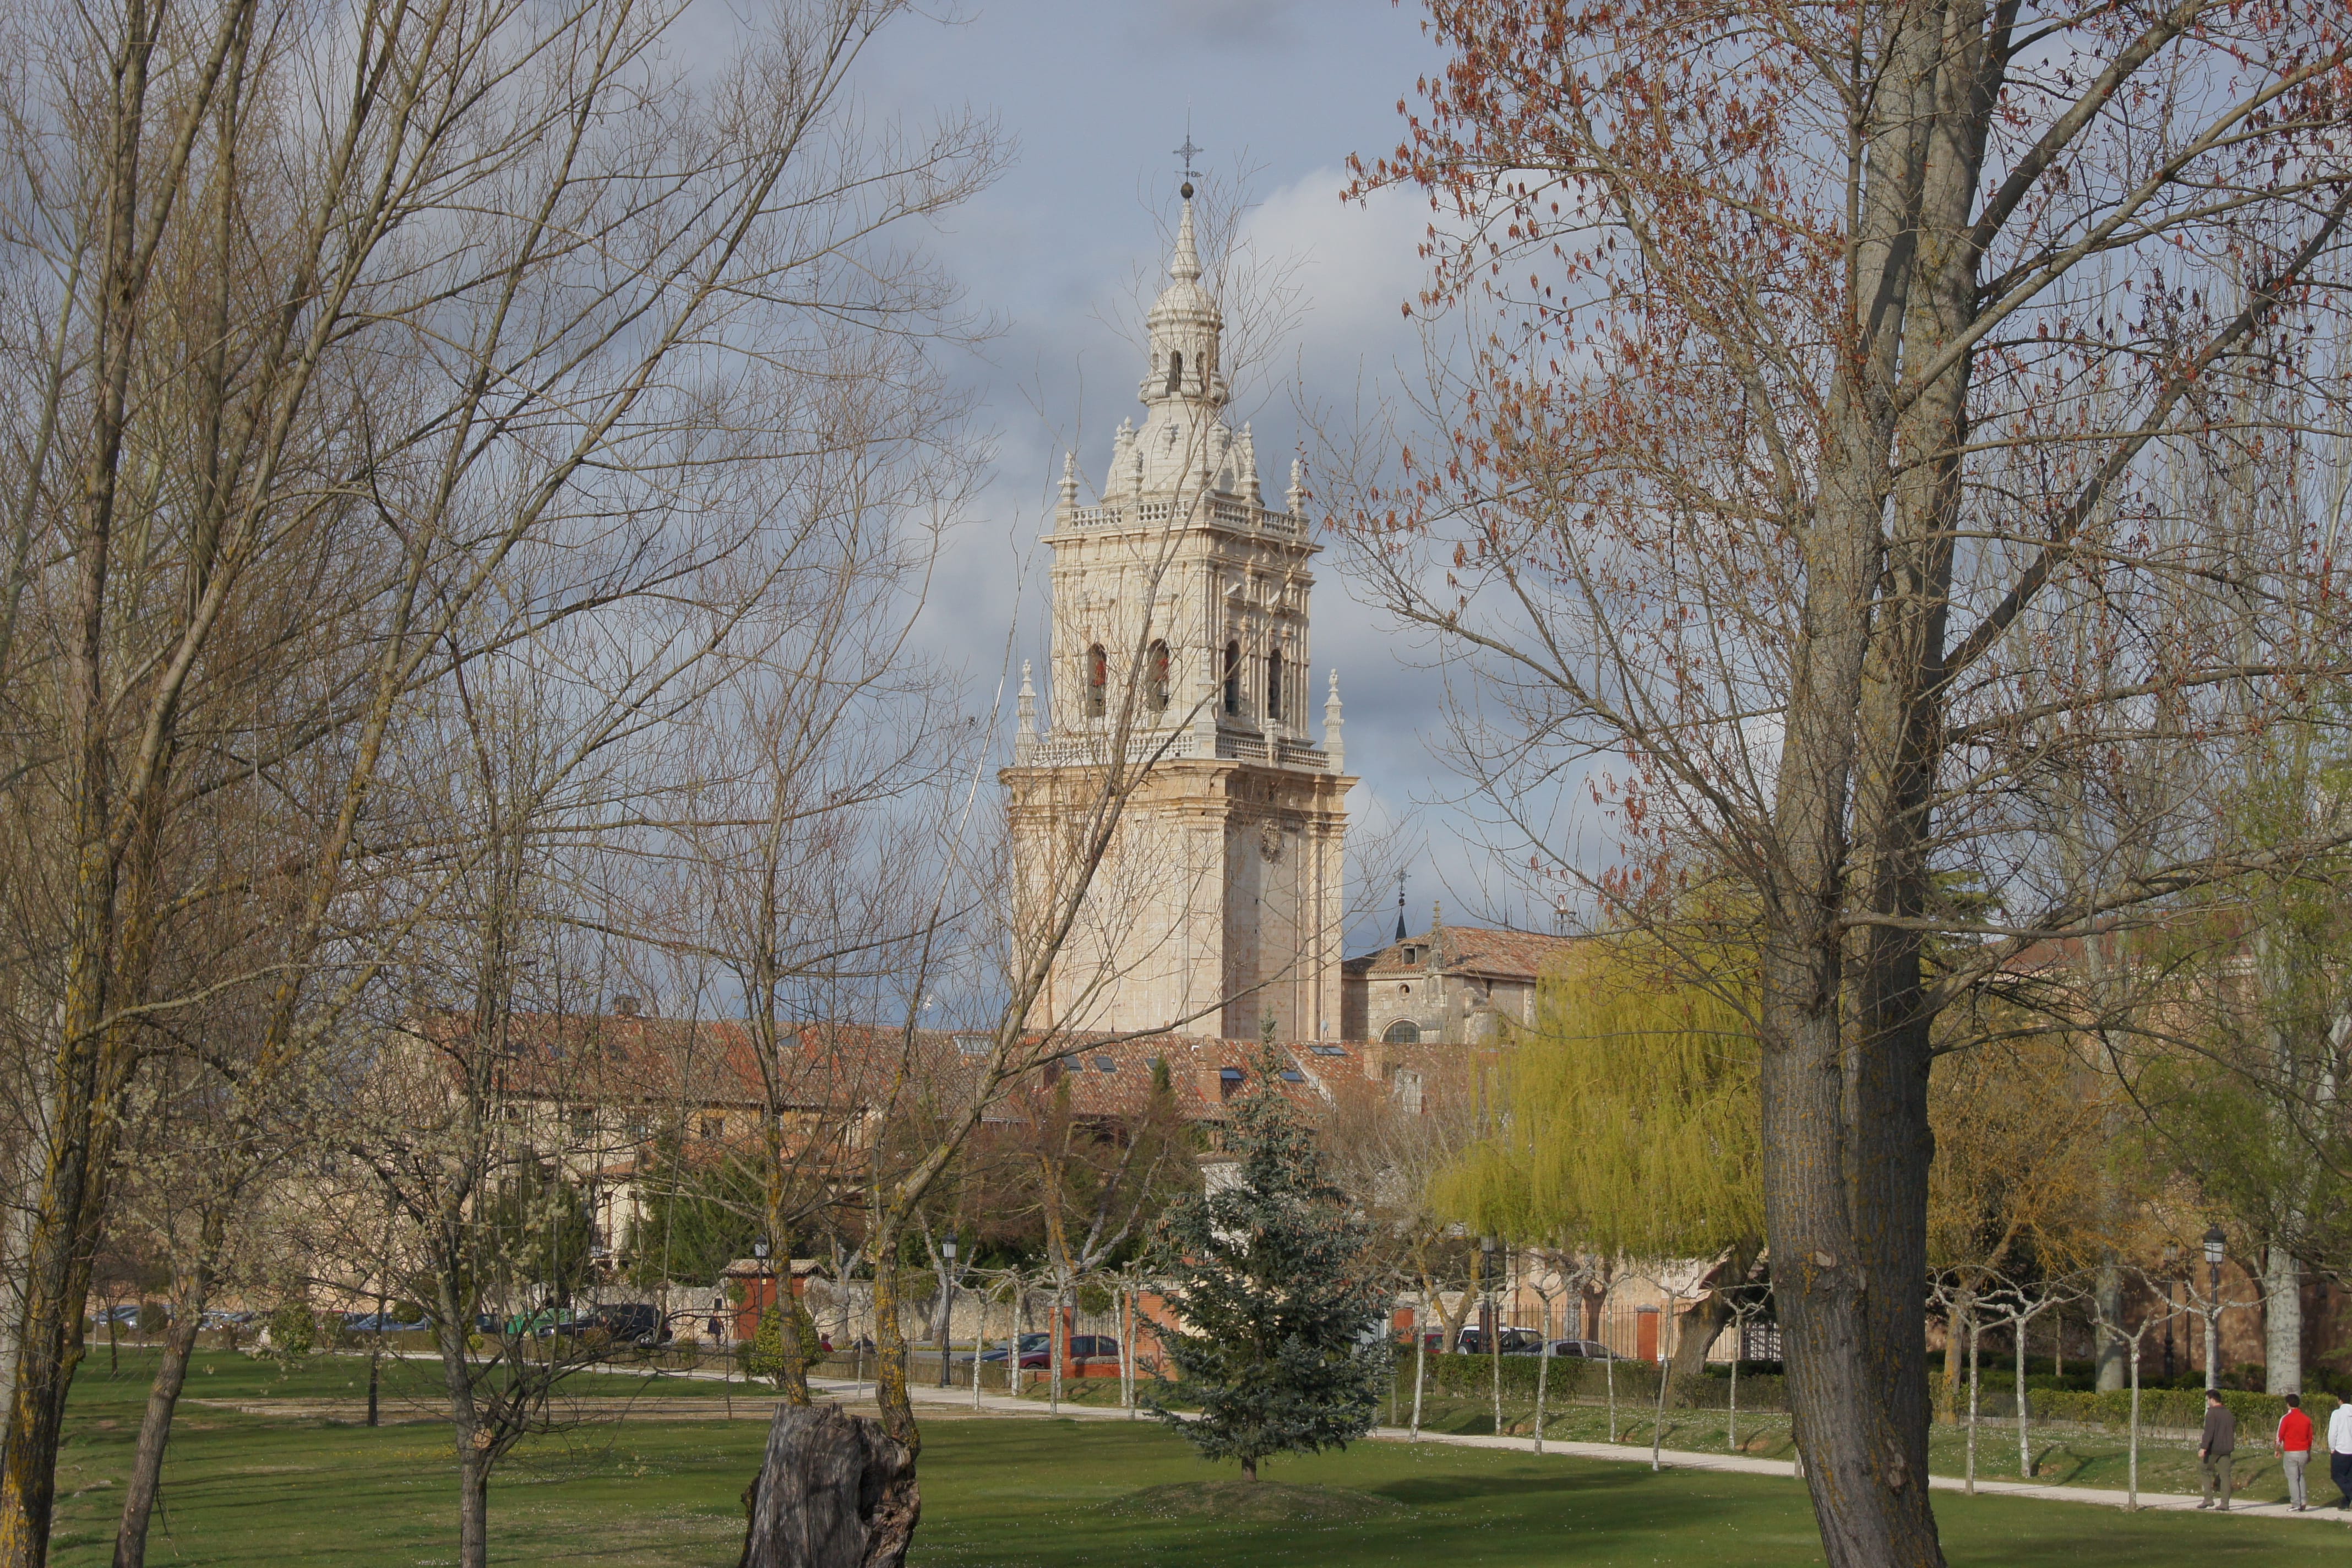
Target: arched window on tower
{"type": "Point", "coordinates": [1176, 371]}
{"type": "Point", "coordinates": [1403, 1032]}
{"type": "Point", "coordinates": [1098, 681]}
{"type": "Point", "coordinates": [1274, 684]}
{"type": "Point", "coordinates": [1157, 694]}
{"type": "Point", "coordinates": [1234, 680]}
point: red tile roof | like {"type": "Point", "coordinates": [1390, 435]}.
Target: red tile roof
{"type": "Point", "coordinates": [1472, 949]}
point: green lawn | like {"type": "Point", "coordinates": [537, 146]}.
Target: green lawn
{"type": "Point", "coordinates": [277, 1493]}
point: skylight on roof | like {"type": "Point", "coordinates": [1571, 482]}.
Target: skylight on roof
{"type": "Point", "coordinates": [1291, 1075]}
{"type": "Point", "coordinates": [1329, 1050]}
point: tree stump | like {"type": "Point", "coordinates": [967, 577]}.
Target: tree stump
{"type": "Point", "coordinates": [834, 1491]}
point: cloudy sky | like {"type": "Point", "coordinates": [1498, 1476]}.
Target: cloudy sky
{"type": "Point", "coordinates": [1093, 97]}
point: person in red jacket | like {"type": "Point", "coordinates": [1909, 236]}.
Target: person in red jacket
{"type": "Point", "coordinates": [2294, 1450]}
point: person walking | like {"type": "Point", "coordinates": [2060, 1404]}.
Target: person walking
{"type": "Point", "coordinates": [2295, 1451]}
{"type": "Point", "coordinates": [2217, 1448]}
{"type": "Point", "coordinates": [2339, 1454]}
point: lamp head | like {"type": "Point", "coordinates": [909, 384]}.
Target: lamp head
{"type": "Point", "coordinates": [2214, 1244]}
{"type": "Point", "coordinates": [948, 1249]}
{"type": "Point", "coordinates": [759, 1248]}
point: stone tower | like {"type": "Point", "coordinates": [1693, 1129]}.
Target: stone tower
{"type": "Point", "coordinates": [1179, 600]}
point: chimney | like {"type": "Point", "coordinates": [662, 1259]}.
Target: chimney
{"type": "Point", "coordinates": [626, 1006]}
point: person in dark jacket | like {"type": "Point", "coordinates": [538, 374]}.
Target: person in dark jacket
{"type": "Point", "coordinates": [2216, 1449]}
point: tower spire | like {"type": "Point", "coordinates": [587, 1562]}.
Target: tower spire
{"type": "Point", "coordinates": [1185, 265]}
{"type": "Point", "coordinates": [1025, 733]}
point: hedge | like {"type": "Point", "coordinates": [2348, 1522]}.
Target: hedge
{"type": "Point", "coordinates": [1472, 1377]}
{"type": "Point", "coordinates": [2258, 1414]}
{"type": "Point", "coordinates": [1572, 1377]}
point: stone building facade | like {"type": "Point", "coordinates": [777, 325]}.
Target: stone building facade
{"type": "Point", "coordinates": [1180, 639]}
{"type": "Point", "coordinates": [1454, 985]}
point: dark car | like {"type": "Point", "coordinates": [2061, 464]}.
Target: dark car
{"type": "Point", "coordinates": [1031, 1344]}
{"type": "Point", "coordinates": [1515, 1341]}
{"type": "Point", "coordinates": [1038, 1351]}
{"type": "Point", "coordinates": [1585, 1350]}
{"type": "Point", "coordinates": [382, 1323]}
{"type": "Point", "coordinates": [629, 1324]}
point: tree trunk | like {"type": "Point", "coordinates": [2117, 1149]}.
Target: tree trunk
{"type": "Point", "coordinates": [162, 1400]}
{"type": "Point", "coordinates": [2114, 1355]}
{"type": "Point", "coordinates": [2282, 1321]}
{"type": "Point", "coordinates": [1957, 1318]}
{"type": "Point", "coordinates": [56, 1281]}
{"type": "Point", "coordinates": [891, 1398]}
{"type": "Point", "coordinates": [473, 1499]}
{"type": "Point", "coordinates": [1704, 1323]}
{"type": "Point", "coordinates": [1846, 1057]}
{"type": "Point", "coordinates": [835, 1490]}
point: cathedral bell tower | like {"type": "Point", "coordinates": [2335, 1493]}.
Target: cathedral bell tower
{"type": "Point", "coordinates": [1180, 601]}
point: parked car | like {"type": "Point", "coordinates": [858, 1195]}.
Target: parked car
{"type": "Point", "coordinates": [219, 1317]}
{"type": "Point", "coordinates": [382, 1323]}
{"type": "Point", "coordinates": [545, 1323]}
{"type": "Point", "coordinates": [1038, 1351]}
{"type": "Point", "coordinates": [1029, 1343]}
{"type": "Point", "coordinates": [1515, 1341]}
{"type": "Point", "coordinates": [1586, 1349]}
{"type": "Point", "coordinates": [126, 1316]}
{"type": "Point", "coordinates": [629, 1324]}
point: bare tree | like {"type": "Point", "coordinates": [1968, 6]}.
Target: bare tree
{"type": "Point", "coordinates": [351, 349]}
{"type": "Point", "coordinates": [1810, 486]}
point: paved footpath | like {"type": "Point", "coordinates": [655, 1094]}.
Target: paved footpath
{"type": "Point", "coordinates": [1670, 1459]}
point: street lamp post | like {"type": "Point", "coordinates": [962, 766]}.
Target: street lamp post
{"type": "Point", "coordinates": [947, 1314]}
{"type": "Point", "coordinates": [1486, 1250]}
{"type": "Point", "coordinates": [2171, 1275]}
{"type": "Point", "coordinates": [2214, 1242]}
{"type": "Point", "coordinates": [760, 1295]}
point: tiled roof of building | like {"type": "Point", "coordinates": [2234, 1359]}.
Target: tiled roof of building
{"type": "Point", "coordinates": [1470, 950]}
{"type": "Point", "coordinates": [637, 1059]}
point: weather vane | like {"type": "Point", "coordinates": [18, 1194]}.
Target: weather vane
{"type": "Point", "coordinates": [1188, 153]}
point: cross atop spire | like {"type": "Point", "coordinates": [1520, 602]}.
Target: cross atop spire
{"type": "Point", "coordinates": [1187, 151]}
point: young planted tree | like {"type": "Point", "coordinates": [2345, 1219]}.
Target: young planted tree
{"type": "Point", "coordinates": [2018, 1187]}
{"type": "Point", "coordinates": [1102, 1174]}
{"type": "Point", "coordinates": [1274, 1280]}
{"type": "Point", "coordinates": [1807, 484]}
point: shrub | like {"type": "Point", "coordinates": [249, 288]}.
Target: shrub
{"type": "Point", "coordinates": [153, 1318]}
{"type": "Point", "coordinates": [293, 1332]}
{"type": "Point", "coordinates": [765, 1355]}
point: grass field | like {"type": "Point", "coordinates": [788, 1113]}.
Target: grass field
{"type": "Point", "coordinates": [277, 1493]}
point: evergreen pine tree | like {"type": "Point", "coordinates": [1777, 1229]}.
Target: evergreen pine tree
{"type": "Point", "coordinates": [1280, 1349]}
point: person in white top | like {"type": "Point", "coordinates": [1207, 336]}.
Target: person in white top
{"type": "Point", "coordinates": [2339, 1454]}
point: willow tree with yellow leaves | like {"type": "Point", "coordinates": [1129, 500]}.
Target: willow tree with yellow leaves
{"type": "Point", "coordinates": [1632, 1125]}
